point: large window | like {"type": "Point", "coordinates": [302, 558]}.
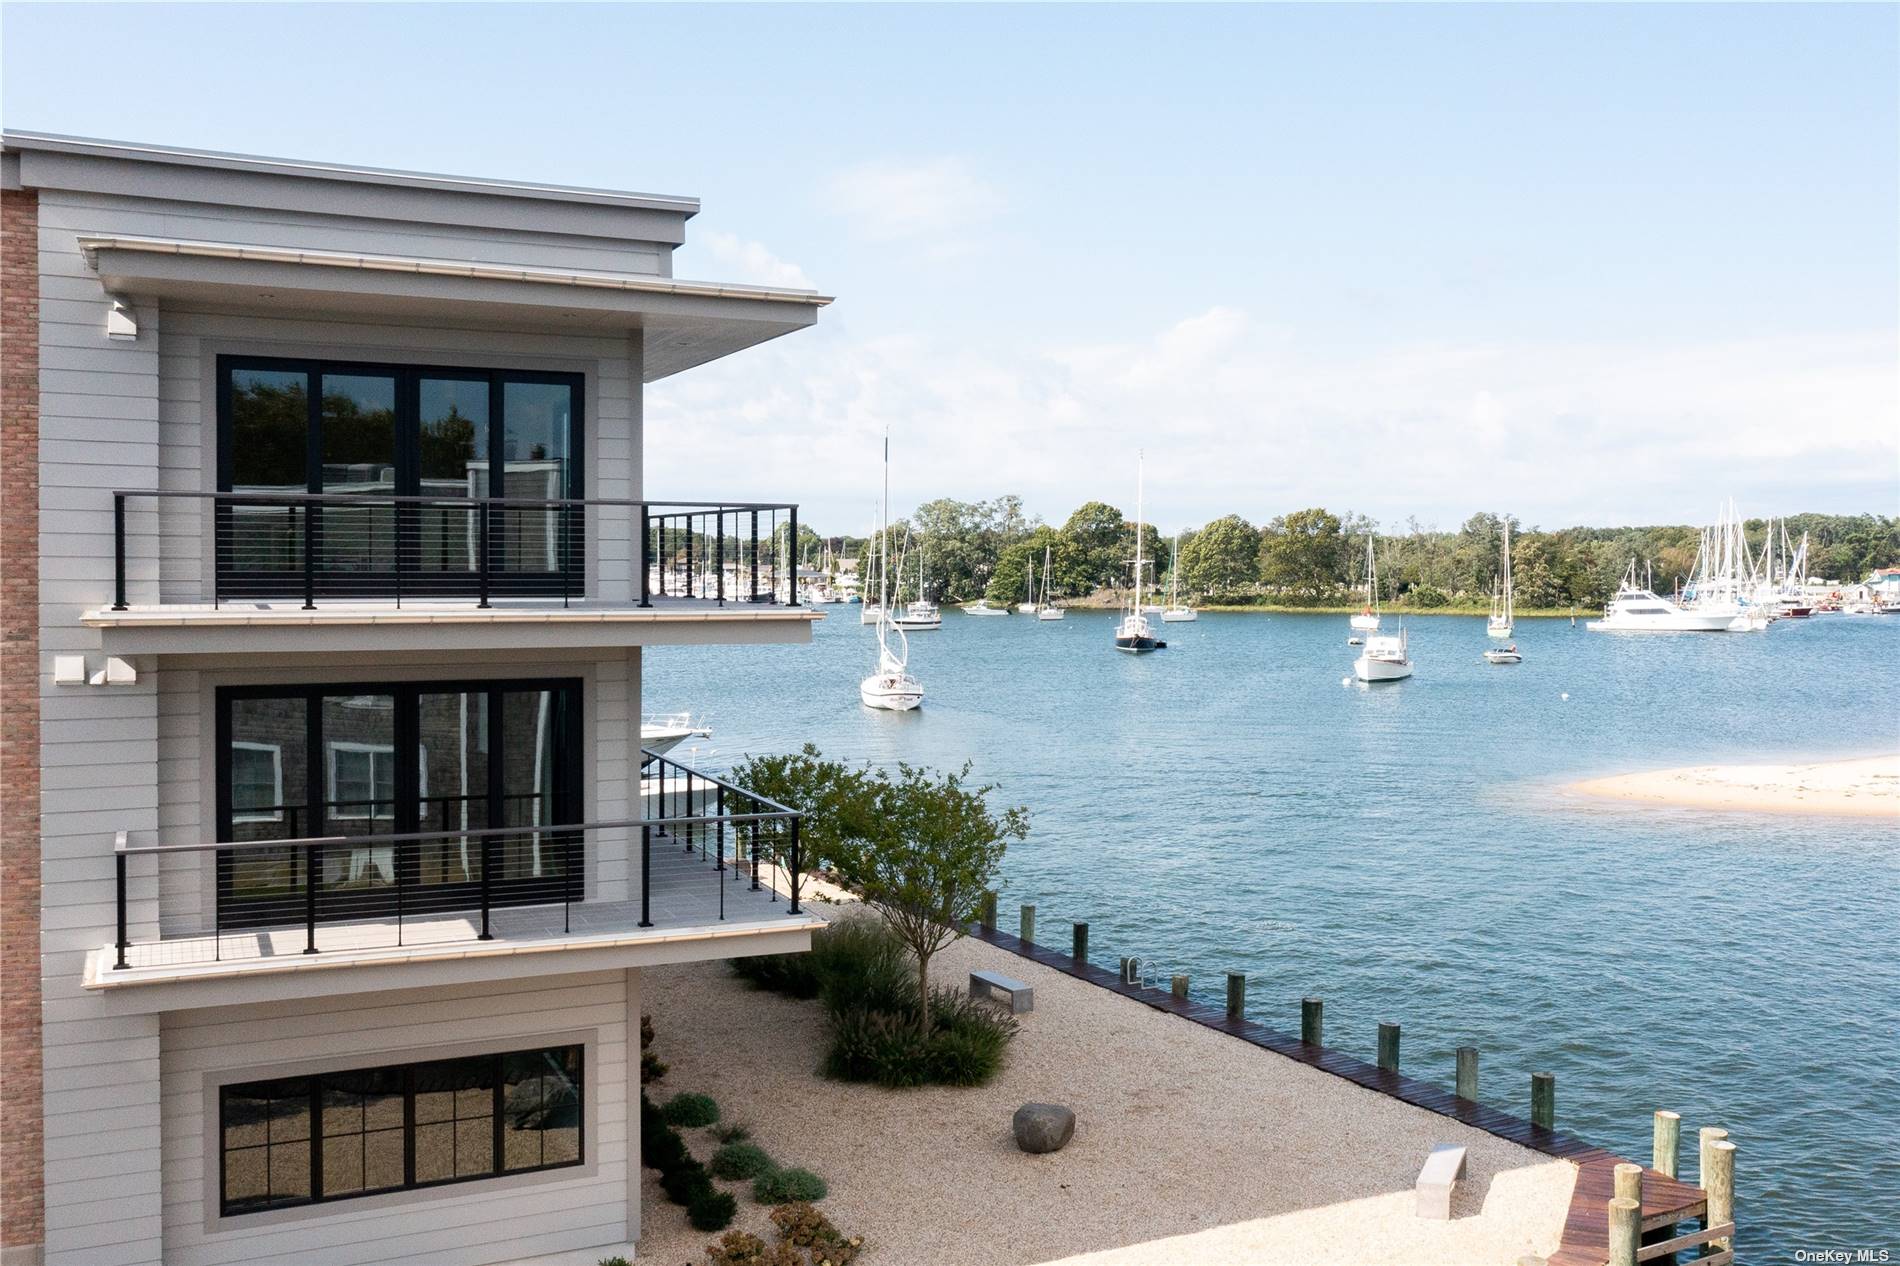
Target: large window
{"type": "Point", "coordinates": [331, 1136]}
{"type": "Point", "coordinates": [375, 433]}
{"type": "Point", "coordinates": [301, 762]}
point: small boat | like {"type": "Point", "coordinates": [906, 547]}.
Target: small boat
{"type": "Point", "coordinates": [1028, 605]}
{"type": "Point", "coordinates": [1134, 634]}
{"type": "Point", "coordinates": [1368, 618]}
{"type": "Point", "coordinates": [1503, 606]}
{"type": "Point", "coordinates": [1384, 659]}
{"type": "Point", "coordinates": [921, 613]}
{"type": "Point", "coordinates": [1174, 612]}
{"type": "Point", "coordinates": [982, 607]}
{"type": "Point", "coordinates": [891, 688]}
{"type": "Point", "coordinates": [1503, 654]}
{"type": "Point", "coordinates": [1047, 609]}
{"type": "Point", "coordinates": [1355, 640]}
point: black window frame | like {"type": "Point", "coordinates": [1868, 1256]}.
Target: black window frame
{"type": "Point", "coordinates": [566, 580]}
{"type": "Point", "coordinates": [315, 1135]}
{"type": "Point", "coordinates": [234, 912]}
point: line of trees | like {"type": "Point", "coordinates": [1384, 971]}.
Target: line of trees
{"type": "Point", "coordinates": [1316, 557]}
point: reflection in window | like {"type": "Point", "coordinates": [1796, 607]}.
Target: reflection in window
{"type": "Point", "coordinates": [257, 782]}
{"type": "Point", "coordinates": [266, 1128]}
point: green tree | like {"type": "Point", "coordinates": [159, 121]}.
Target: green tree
{"type": "Point", "coordinates": [1305, 553]}
{"type": "Point", "coordinates": [1221, 558]}
{"type": "Point", "coordinates": [1091, 553]}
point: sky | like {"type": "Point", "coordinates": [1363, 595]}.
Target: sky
{"type": "Point", "coordinates": [1593, 264]}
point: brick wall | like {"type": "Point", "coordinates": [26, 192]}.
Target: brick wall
{"type": "Point", "coordinates": [22, 1203]}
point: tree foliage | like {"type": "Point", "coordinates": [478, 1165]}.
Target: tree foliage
{"type": "Point", "coordinates": [1220, 559]}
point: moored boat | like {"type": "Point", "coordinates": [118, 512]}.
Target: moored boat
{"type": "Point", "coordinates": [1386, 658]}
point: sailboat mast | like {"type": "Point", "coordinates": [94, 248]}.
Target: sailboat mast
{"type": "Point", "coordinates": [1138, 457]}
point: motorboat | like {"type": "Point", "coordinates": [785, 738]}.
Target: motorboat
{"type": "Point", "coordinates": [1638, 609]}
{"type": "Point", "coordinates": [920, 614]}
{"type": "Point", "coordinates": [1385, 658]}
{"type": "Point", "coordinates": [1503, 654]}
{"type": "Point", "coordinates": [982, 607]}
{"type": "Point", "coordinates": [660, 734]}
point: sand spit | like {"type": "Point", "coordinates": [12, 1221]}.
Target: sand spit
{"type": "Point", "coordinates": [1865, 787]}
{"type": "Point", "coordinates": [1192, 1147]}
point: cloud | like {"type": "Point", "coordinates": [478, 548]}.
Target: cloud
{"type": "Point", "coordinates": [934, 203]}
{"type": "Point", "coordinates": [737, 259]}
{"type": "Point", "coordinates": [1239, 417]}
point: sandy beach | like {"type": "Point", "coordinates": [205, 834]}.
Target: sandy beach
{"type": "Point", "coordinates": [1864, 787]}
{"type": "Point", "coordinates": [1191, 1147]}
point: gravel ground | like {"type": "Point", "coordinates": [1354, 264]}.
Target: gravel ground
{"type": "Point", "coordinates": [1190, 1146]}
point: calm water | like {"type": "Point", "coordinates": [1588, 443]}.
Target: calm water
{"type": "Point", "coordinates": [1404, 852]}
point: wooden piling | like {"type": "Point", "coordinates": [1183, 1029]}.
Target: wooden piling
{"type": "Point", "coordinates": [1179, 987]}
{"type": "Point", "coordinates": [1628, 1177]}
{"type": "Point", "coordinates": [1626, 1230]}
{"type": "Point", "coordinates": [1388, 1046]}
{"type": "Point", "coordinates": [1718, 1180]}
{"type": "Point", "coordinates": [1707, 1136]}
{"type": "Point", "coordinates": [1313, 1021]}
{"type": "Point", "coordinates": [1667, 1145]}
{"type": "Point", "coordinates": [1468, 1073]}
{"type": "Point", "coordinates": [989, 911]}
{"type": "Point", "coordinates": [1236, 995]}
{"type": "Point", "coordinates": [1544, 1100]}
{"type": "Point", "coordinates": [1080, 952]}
{"type": "Point", "coordinates": [1028, 933]}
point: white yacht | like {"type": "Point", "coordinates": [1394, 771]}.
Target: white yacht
{"type": "Point", "coordinates": [1368, 617]}
{"type": "Point", "coordinates": [1636, 609]}
{"type": "Point", "coordinates": [1174, 612]}
{"type": "Point", "coordinates": [661, 734]}
{"type": "Point", "coordinates": [1507, 654]}
{"type": "Point", "coordinates": [891, 688]}
{"type": "Point", "coordinates": [1384, 659]}
{"type": "Point", "coordinates": [1047, 609]}
{"type": "Point", "coordinates": [1134, 634]}
{"type": "Point", "coordinates": [982, 607]}
{"type": "Point", "coordinates": [1503, 601]}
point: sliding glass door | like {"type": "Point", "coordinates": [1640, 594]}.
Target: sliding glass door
{"type": "Point", "coordinates": [328, 761]}
{"type": "Point", "coordinates": [363, 436]}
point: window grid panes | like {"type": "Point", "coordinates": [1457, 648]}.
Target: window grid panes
{"type": "Point", "coordinates": [398, 1127]}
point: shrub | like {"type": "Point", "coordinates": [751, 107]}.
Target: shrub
{"type": "Point", "coordinates": [712, 1211]}
{"type": "Point", "coordinates": [652, 1067]}
{"type": "Point", "coordinates": [691, 1110]}
{"type": "Point", "coordinates": [615, 1261]}
{"type": "Point", "coordinates": [740, 1160]}
{"type": "Point", "coordinates": [733, 1133]}
{"type": "Point", "coordinates": [738, 1248]}
{"type": "Point", "coordinates": [665, 1152]}
{"type": "Point", "coordinates": [801, 1225]}
{"type": "Point", "coordinates": [786, 1186]}
{"type": "Point", "coordinates": [683, 1184]}
{"type": "Point", "coordinates": [964, 1047]}
{"type": "Point", "coordinates": [880, 1047]}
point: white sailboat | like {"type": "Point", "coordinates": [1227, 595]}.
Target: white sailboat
{"type": "Point", "coordinates": [1028, 605]}
{"type": "Point", "coordinates": [1385, 658]}
{"type": "Point", "coordinates": [891, 688]}
{"type": "Point", "coordinates": [1047, 610]}
{"type": "Point", "coordinates": [1368, 617]}
{"type": "Point", "coordinates": [921, 613]}
{"type": "Point", "coordinates": [871, 608]}
{"type": "Point", "coordinates": [1174, 612]}
{"type": "Point", "coordinates": [1503, 602]}
{"type": "Point", "coordinates": [1134, 634]}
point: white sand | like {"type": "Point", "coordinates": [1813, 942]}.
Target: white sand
{"type": "Point", "coordinates": [1191, 1146]}
{"type": "Point", "coordinates": [1867, 787]}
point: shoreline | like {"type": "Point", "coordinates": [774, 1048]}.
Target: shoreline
{"type": "Point", "coordinates": [1856, 787]}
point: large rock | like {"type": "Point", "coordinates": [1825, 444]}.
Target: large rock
{"type": "Point", "coordinates": [1043, 1127]}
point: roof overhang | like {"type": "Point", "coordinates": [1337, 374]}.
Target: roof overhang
{"type": "Point", "coordinates": [686, 323]}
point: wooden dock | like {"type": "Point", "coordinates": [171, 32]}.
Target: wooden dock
{"type": "Point", "coordinates": [1586, 1234]}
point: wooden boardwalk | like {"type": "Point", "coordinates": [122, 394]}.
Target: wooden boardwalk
{"type": "Point", "coordinates": [1586, 1234]}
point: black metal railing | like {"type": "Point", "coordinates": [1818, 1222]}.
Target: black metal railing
{"type": "Point", "coordinates": [699, 837]}
{"type": "Point", "coordinates": [311, 547]}
{"type": "Point", "coordinates": [723, 553]}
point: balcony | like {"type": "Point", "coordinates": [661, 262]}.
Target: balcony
{"type": "Point", "coordinates": [710, 869]}
{"type": "Point", "coordinates": [291, 571]}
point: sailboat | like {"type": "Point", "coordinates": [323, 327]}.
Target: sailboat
{"type": "Point", "coordinates": [1048, 610]}
{"type": "Point", "coordinates": [1368, 617]}
{"type": "Point", "coordinates": [1503, 602]}
{"type": "Point", "coordinates": [870, 608]}
{"type": "Point", "coordinates": [1028, 605]}
{"type": "Point", "coordinates": [1134, 634]}
{"type": "Point", "coordinates": [1174, 612]}
{"type": "Point", "coordinates": [891, 688]}
{"type": "Point", "coordinates": [921, 613]}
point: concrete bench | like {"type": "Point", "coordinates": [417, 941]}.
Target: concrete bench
{"type": "Point", "coordinates": [1021, 997]}
{"type": "Point", "coordinates": [1436, 1178]}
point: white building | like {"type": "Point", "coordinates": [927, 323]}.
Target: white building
{"type": "Point", "coordinates": [325, 797]}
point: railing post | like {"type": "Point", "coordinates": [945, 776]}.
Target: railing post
{"type": "Point", "coordinates": [689, 555]}
{"type": "Point", "coordinates": [488, 870]}
{"type": "Point", "coordinates": [481, 552]}
{"type": "Point", "coordinates": [567, 882]}
{"type": "Point", "coordinates": [118, 544]}
{"type": "Point", "coordinates": [754, 597]}
{"type": "Point", "coordinates": [309, 556]}
{"type": "Point", "coordinates": [310, 898]}
{"type": "Point", "coordinates": [794, 909]}
{"type": "Point", "coordinates": [719, 548]}
{"type": "Point", "coordinates": [755, 854]}
{"type": "Point", "coordinates": [646, 876]}
{"type": "Point", "coordinates": [125, 941]}
{"type": "Point", "coordinates": [719, 833]}
{"type": "Point", "coordinates": [791, 548]}
{"type": "Point", "coordinates": [646, 562]}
